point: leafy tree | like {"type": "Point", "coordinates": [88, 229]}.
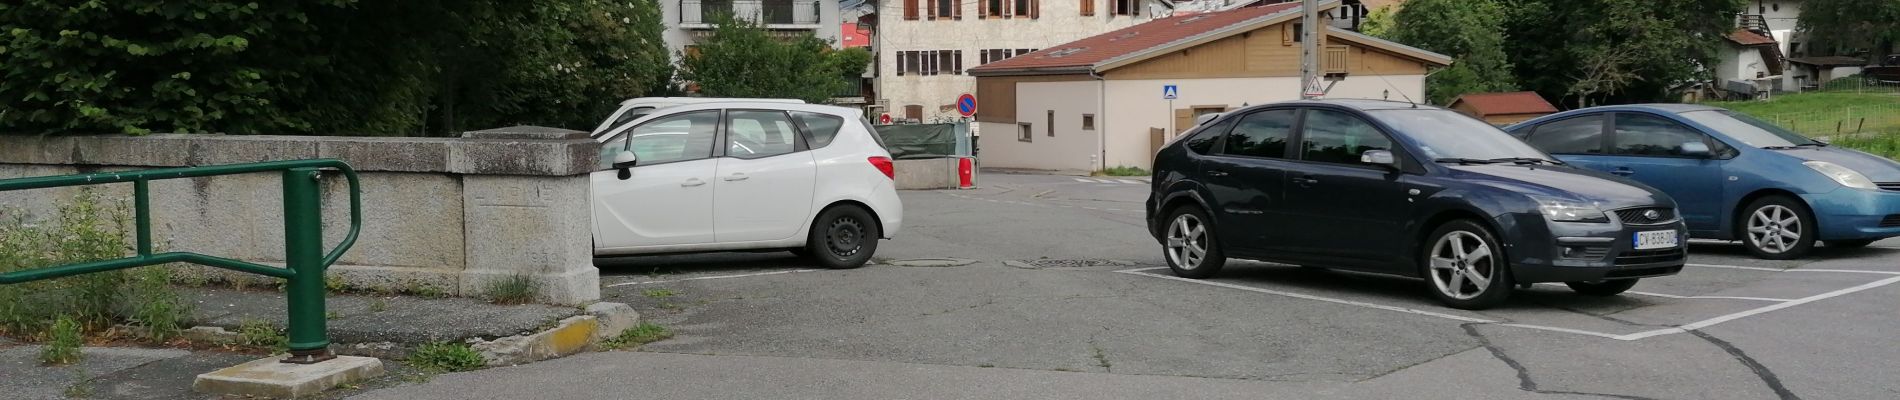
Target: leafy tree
{"type": "Point", "coordinates": [1471, 31]}
{"type": "Point", "coordinates": [1845, 26]}
{"type": "Point", "coordinates": [740, 59]}
{"type": "Point", "coordinates": [1586, 52]}
{"type": "Point", "coordinates": [1378, 22]}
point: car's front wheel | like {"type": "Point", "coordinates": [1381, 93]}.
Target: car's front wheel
{"type": "Point", "coordinates": [1778, 228]}
{"type": "Point", "coordinates": [1602, 288]}
{"type": "Point", "coordinates": [843, 237]}
{"type": "Point", "coordinates": [1465, 267]}
{"type": "Point", "coordinates": [1192, 251]}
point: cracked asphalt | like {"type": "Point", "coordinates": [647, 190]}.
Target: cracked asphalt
{"type": "Point", "coordinates": [1060, 301]}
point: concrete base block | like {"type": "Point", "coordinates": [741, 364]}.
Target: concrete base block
{"type": "Point", "coordinates": [613, 318]}
{"type": "Point", "coordinates": [574, 286]}
{"type": "Point", "coordinates": [573, 335]}
{"type": "Point", "coordinates": [270, 378]}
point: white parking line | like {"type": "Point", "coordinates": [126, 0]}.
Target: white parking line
{"type": "Point", "coordinates": [1137, 271]}
{"type": "Point", "coordinates": [1848, 271]}
{"type": "Point", "coordinates": [1731, 317]}
{"type": "Point", "coordinates": [713, 277]}
{"type": "Point", "coordinates": [1129, 181]}
{"type": "Point", "coordinates": [1084, 180]}
{"type": "Point", "coordinates": [1671, 296]}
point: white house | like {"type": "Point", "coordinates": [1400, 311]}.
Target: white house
{"type": "Point", "coordinates": [687, 21]}
{"type": "Point", "coordinates": [1113, 99]}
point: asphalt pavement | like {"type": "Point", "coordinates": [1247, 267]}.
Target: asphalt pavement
{"type": "Point", "coordinates": [1047, 287]}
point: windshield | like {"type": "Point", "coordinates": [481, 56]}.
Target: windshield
{"type": "Point", "coordinates": [1443, 134]}
{"type": "Point", "coordinates": [1750, 131]}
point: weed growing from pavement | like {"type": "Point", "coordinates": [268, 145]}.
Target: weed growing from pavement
{"type": "Point", "coordinates": [332, 315]}
{"type": "Point", "coordinates": [81, 387]}
{"type": "Point", "coordinates": [81, 231]}
{"type": "Point", "coordinates": [257, 333]}
{"type": "Point", "coordinates": [517, 289]}
{"type": "Point", "coordinates": [659, 293]}
{"type": "Point", "coordinates": [63, 346]}
{"type": "Point", "coordinates": [1123, 171]}
{"type": "Point", "coordinates": [647, 332]}
{"type": "Point", "coordinates": [335, 284]}
{"type": "Point", "coordinates": [378, 305]}
{"type": "Point", "coordinates": [441, 357]}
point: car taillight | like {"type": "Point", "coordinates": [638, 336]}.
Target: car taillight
{"type": "Point", "coordinates": [884, 165]}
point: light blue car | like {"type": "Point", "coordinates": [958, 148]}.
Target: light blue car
{"type": "Point", "coordinates": [1734, 177]}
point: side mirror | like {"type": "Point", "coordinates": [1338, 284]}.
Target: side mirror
{"type": "Point", "coordinates": [1694, 149]}
{"type": "Point", "coordinates": [624, 159]}
{"type": "Point", "coordinates": [1379, 157]}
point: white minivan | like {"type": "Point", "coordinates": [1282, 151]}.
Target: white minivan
{"type": "Point", "coordinates": [736, 175]}
{"type": "Point", "coordinates": [635, 108]}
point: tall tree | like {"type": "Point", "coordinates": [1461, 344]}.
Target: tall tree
{"type": "Point", "coordinates": [1586, 52]}
{"type": "Point", "coordinates": [1471, 31]}
{"type": "Point", "coordinates": [1850, 26]}
{"type": "Point", "coordinates": [740, 59]}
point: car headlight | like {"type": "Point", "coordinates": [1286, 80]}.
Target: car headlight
{"type": "Point", "coordinates": [1566, 210]}
{"type": "Point", "coordinates": [1846, 177]}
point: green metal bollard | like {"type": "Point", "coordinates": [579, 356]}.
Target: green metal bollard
{"type": "Point", "coordinates": [303, 255]}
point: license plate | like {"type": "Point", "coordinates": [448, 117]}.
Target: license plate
{"type": "Point", "coordinates": [1657, 240]}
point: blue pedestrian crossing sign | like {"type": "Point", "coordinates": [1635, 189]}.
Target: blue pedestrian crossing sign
{"type": "Point", "coordinates": [1170, 92]}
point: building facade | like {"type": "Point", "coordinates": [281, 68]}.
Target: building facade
{"type": "Point", "coordinates": [924, 47]}
{"type": "Point", "coordinates": [687, 21]}
{"type": "Point", "coordinates": [1114, 99]}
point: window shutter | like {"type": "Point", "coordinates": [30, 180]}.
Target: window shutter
{"type": "Point", "coordinates": [900, 63]}
{"type": "Point", "coordinates": [1035, 8]}
{"type": "Point", "coordinates": [1088, 8]}
{"type": "Point", "coordinates": [958, 60]}
{"type": "Point", "coordinates": [982, 8]}
{"type": "Point", "coordinates": [930, 9]}
{"type": "Point", "coordinates": [956, 9]}
{"type": "Point", "coordinates": [910, 9]}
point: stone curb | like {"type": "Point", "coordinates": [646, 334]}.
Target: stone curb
{"type": "Point", "coordinates": [572, 335]}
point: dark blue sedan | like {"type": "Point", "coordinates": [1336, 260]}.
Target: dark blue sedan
{"type": "Point", "coordinates": [1733, 176]}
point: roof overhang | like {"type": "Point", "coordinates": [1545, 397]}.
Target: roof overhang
{"type": "Point", "coordinates": [1209, 36]}
{"type": "Point", "coordinates": [1391, 46]}
{"type": "Point", "coordinates": [1068, 70]}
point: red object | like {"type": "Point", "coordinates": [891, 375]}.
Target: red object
{"type": "Point", "coordinates": [966, 173]}
{"type": "Point", "coordinates": [1505, 103]}
{"type": "Point", "coordinates": [851, 36]}
{"type": "Point", "coordinates": [966, 104]}
{"type": "Point", "coordinates": [884, 118]}
{"type": "Point", "coordinates": [1749, 38]}
{"type": "Point", "coordinates": [884, 165]}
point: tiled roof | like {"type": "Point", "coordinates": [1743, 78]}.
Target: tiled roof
{"type": "Point", "coordinates": [1506, 103]}
{"type": "Point", "coordinates": [1135, 39]}
{"type": "Point", "coordinates": [1749, 38]}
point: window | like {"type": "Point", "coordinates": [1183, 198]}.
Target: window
{"type": "Point", "coordinates": [946, 9]}
{"type": "Point", "coordinates": [1299, 31]}
{"type": "Point", "coordinates": [673, 138]}
{"type": "Point", "coordinates": [1127, 7]}
{"type": "Point", "coordinates": [1261, 134]}
{"type": "Point", "coordinates": [1203, 140]}
{"type": "Point", "coordinates": [625, 118]}
{"type": "Point", "coordinates": [913, 64]}
{"type": "Point", "coordinates": [758, 134]}
{"type": "Point", "coordinates": [1581, 135]}
{"type": "Point", "coordinates": [914, 112]}
{"type": "Point", "coordinates": [910, 9]}
{"type": "Point", "coordinates": [1649, 135]}
{"type": "Point", "coordinates": [1088, 122]}
{"type": "Point", "coordinates": [1051, 126]}
{"type": "Point", "coordinates": [820, 128]}
{"type": "Point", "coordinates": [1025, 133]}
{"type": "Point", "coordinates": [1338, 137]}
{"type": "Point", "coordinates": [1028, 8]}
{"type": "Point", "coordinates": [930, 62]}
{"type": "Point", "coordinates": [1088, 8]}
{"type": "Point", "coordinates": [990, 8]}
{"type": "Point", "coordinates": [993, 55]}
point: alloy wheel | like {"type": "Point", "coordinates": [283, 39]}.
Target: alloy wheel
{"type": "Point", "coordinates": [1774, 229]}
{"type": "Point", "coordinates": [1462, 265]}
{"type": "Point", "coordinates": [1187, 242]}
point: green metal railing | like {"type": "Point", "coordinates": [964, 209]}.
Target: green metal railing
{"type": "Point", "coordinates": [304, 259]}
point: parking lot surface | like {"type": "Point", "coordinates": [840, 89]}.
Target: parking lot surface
{"type": "Point", "coordinates": [1048, 287]}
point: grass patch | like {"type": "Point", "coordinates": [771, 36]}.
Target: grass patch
{"type": "Point", "coordinates": [1866, 120]}
{"type": "Point", "coordinates": [440, 357]}
{"type": "Point", "coordinates": [82, 230]}
{"type": "Point", "coordinates": [632, 338]}
{"type": "Point", "coordinates": [378, 305]}
{"type": "Point", "coordinates": [63, 345]}
{"type": "Point", "coordinates": [518, 289]}
{"type": "Point", "coordinates": [1124, 171]}
{"type": "Point", "coordinates": [257, 333]}
{"type": "Point", "coordinates": [659, 293]}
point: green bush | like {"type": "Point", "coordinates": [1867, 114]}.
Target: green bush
{"type": "Point", "coordinates": [82, 231]}
{"type": "Point", "coordinates": [446, 357]}
{"type": "Point", "coordinates": [261, 334]}
{"type": "Point", "coordinates": [63, 347]}
{"type": "Point", "coordinates": [1124, 171]}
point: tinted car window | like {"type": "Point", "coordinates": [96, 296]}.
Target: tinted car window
{"type": "Point", "coordinates": [822, 127]}
{"type": "Point", "coordinates": [1750, 131]}
{"type": "Point", "coordinates": [1202, 141]}
{"type": "Point", "coordinates": [1443, 133]}
{"type": "Point", "coordinates": [687, 136]}
{"type": "Point", "coordinates": [1261, 134]}
{"type": "Point", "coordinates": [1338, 137]}
{"type": "Point", "coordinates": [756, 134]}
{"type": "Point", "coordinates": [1649, 135]}
{"type": "Point", "coordinates": [1580, 135]}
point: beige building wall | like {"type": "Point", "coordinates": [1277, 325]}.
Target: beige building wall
{"type": "Point", "coordinates": [1059, 21]}
{"type": "Point", "coordinates": [1069, 148]}
{"type": "Point", "coordinates": [1135, 106]}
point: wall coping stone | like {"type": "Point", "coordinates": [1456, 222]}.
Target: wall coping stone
{"type": "Point", "coordinates": [519, 150]}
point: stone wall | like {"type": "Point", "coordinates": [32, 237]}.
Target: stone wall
{"type": "Point", "coordinates": [447, 215]}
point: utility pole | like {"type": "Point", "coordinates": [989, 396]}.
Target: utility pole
{"type": "Point", "coordinates": [1309, 49]}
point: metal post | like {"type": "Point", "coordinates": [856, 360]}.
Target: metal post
{"type": "Point", "coordinates": [142, 215]}
{"type": "Point", "coordinates": [1309, 47]}
{"type": "Point", "coordinates": [303, 254]}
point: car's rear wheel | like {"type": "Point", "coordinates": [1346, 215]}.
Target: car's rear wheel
{"type": "Point", "coordinates": [1465, 267]}
{"type": "Point", "coordinates": [843, 237]}
{"type": "Point", "coordinates": [1192, 251]}
{"type": "Point", "coordinates": [1849, 244]}
{"type": "Point", "coordinates": [1778, 228]}
{"type": "Point", "coordinates": [1602, 288]}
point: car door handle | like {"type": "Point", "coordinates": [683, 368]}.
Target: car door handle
{"type": "Point", "coordinates": [1624, 171]}
{"type": "Point", "coordinates": [1217, 173]}
{"type": "Point", "coordinates": [691, 182]}
{"type": "Point", "coordinates": [736, 177]}
{"type": "Point", "coordinates": [1305, 181]}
